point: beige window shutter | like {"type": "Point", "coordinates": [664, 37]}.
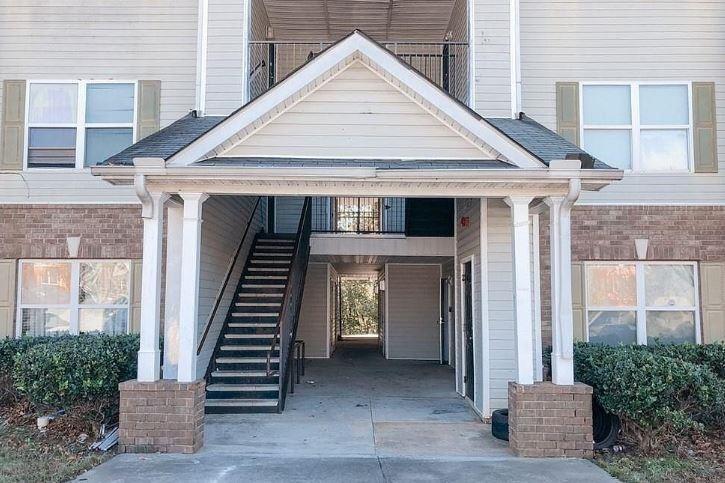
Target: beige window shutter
{"type": "Point", "coordinates": [134, 320]}
{"type": "Point", "coordinates": [704, 127]}
{"type": "Point", "coordinates": [567, 111]}
{"type": "Point", "coordinates": [8, 277]}
{"type": "Point", "coordinates": [149, 108]}
{"type": "Point", "coordinates": [12, 130]}
{"type": "Point", "coordinates": [712, 279]}
{"type": "Point", "coordinates": [577, 301]}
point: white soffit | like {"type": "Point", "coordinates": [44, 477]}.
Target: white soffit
{"type": "Point", "coordinates": [355, 48]}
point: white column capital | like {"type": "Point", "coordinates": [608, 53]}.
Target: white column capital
{"type": "Point", "coordinates": [517, 201]}
{"type": "Point", "coordinates": [193, 203]}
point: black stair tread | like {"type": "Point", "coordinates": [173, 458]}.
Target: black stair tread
{"type": "Point", "coordinates": [243, 387]}
{"type": "Point", "coordinates": [242, 402]}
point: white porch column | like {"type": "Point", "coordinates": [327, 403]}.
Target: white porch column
{"type": "Point", "coordinates": [562, 320]}
{"type": "Point", "coordinates": [189, 288]}
{"type": "Point", "coordinates": [172, 293]}
{"type": "Point", "coordinates": [523, 296]}
{"type": "Point", "coordinates": [153, 222]}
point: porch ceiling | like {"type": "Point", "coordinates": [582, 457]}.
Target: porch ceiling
{"type": "Point", "coordinates": [413, 20]}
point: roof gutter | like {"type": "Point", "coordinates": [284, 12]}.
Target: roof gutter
{"type": "Point", "coordinates": [539, 175]}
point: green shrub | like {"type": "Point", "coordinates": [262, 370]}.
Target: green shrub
{"type": "Point", "coordinates": [658, 391]}
{"type": "Point", "coordinates": [710, 355]}
{"type": "Point", "coordinates": [70, 370]}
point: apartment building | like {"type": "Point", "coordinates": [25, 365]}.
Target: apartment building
{"type": "Point", "coordinates": [513, 174]}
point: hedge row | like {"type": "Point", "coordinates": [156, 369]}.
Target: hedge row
{"type": "Point", "coordinates": [63, 371]}
{"type": "Point", "coordinates": [658, 390]}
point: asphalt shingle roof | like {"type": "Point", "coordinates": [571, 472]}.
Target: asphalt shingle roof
{"type": "Point", "coordinates": [166, 142]}
{"type": "Point", "coordinates": [529, 134]}
{"type": "Point", "coordinates": [539, 140]}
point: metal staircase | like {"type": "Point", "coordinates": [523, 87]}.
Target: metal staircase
{"type": "Point", "coordinates": [248, 371]}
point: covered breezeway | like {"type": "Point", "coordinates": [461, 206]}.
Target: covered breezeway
{"type": "Point", "coordinates": [359, 403]}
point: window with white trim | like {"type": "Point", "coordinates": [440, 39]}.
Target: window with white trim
{"type": "Point", "coordinates": [639, 126]}
{"type": "Point", "coordinates": [642, 302]}
{"type": "Point", "coordinates": [78, 124]}
{"type": "Point", "coordinates": [57, 297]}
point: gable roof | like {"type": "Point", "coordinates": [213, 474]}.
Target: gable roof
{"type": "Point", "coordinates": [355, 47]}
{"type": "Point", "coordinates": [522, 142]}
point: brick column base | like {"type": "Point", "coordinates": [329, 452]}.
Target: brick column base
{"type": "Point", "coordinates": [161, 417]}
{"type": "Point", "coordinates": [546, 420]}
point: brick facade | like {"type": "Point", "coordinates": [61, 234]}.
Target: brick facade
{"type": "Point", "coordinates": [678, 233]}
{"type": "Point", "coordinates": [546, 420]}
{"type": "Point", "coordinates": [162, 416]}
{"type": "Point", "coordinates": [40, 231]}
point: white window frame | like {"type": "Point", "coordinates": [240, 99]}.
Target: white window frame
{"type": "Point", "coordinates": [80, 125]}
{"type": "Point", "coordinates": [635, 127]}
{"type": "Point", "coordinates": [74, 305]}
{"type": "Point", "coordinates": [641, 308]}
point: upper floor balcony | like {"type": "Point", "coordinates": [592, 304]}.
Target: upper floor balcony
{"type": "Point", "coordinates": [444, 63]}
{"type": "Point", "coordinates": [432, 37]}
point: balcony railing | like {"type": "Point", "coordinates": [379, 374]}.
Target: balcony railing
{"type": "Point", "coordinates": [358, 215]}
{"type": "Point", "coordinates": [444, 63]}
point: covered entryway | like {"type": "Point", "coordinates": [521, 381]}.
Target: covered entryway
{"type": "Point", "coordinates": [286, 143]}
{"type": "Point", "coordinates": [359, 403]}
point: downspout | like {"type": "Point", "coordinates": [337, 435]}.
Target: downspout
{"type": "Point", "coordinates": [147, 204]}
{"type": "Point", "coordinates": [201, 55]}
{"type": "Point", "coordinates": [566, 332]}
{"type": "Point", "coordinates": [515, 60]}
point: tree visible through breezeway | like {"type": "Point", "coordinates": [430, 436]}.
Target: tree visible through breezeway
{"type": "Point", "coordinates": [359, 307]}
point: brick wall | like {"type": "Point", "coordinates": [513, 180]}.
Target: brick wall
{"type": "Point", "coordinates": [162, 416]}
{"type": "Point", "coordinates": [40, 231]}
{"type": "Point", "coordinates": [692, 233]}
{"type": "Point", "coordinates": [546, 420]}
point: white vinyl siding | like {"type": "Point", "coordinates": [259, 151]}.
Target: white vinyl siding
{"type": "Point", "coordinates": [357, 114]}
{"type": "Point", "coordinates": [468, 242]}
{"type": "Point", "coordinates": [413, 311]}
{"type": "Point", "coordinates": [225, 54]}
{"type": "Point", "coordinates": [501, 318]}
{"type": "Point", "coordinates": [224, 222]}
{"type": "Point", "coordinates": [313, 315]}
{"type": "Point", "coordinates": [96, 40]}
{"type": "Point", "coordinates": [287, 211]}
{"type": "Point", "coordinates": [594, 41]}
{"type": "Point", "coordinates": [492, 57]}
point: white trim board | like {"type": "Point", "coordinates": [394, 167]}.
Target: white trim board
{"type": "Point", "coordinates": [355, 47]}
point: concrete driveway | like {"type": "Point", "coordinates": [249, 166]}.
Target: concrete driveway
{"type": "Point", "coordinates": [356, 417]}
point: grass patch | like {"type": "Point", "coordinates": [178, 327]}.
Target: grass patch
{"type": "Point", "coordinates": [28, 456]}
{"type": "Point", "coordinates": [646, 469]}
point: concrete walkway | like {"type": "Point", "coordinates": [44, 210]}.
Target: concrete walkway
{"type": "Point", "coordinates": [355, 417]}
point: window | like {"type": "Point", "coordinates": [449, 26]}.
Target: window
{"type": "Point", "coordinates": [78, 124]}
{"type": "Point", "coordinates": [73, 296]}
{"type": "Point", "coordinates": [642, 127]}
{"type": "Point", "coordinates": [642, 302]}
{"type": "Point", "coordinates": [361, 215]}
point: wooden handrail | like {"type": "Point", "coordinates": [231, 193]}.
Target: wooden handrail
{"type": "Point", "coordinates": [228, 275]}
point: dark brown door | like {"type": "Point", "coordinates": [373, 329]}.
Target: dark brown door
{"type": "Point", "coordinates": [468, 327]}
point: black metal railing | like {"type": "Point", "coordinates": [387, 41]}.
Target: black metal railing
{"type": "Point", "coordinates": [230, 268]}
{"type": "Point", "coordinates": [444, 63]}
{"type": "Point", "coordinates": [361, 215]}
{"type": "Point", "coordinates": [285, 332]}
